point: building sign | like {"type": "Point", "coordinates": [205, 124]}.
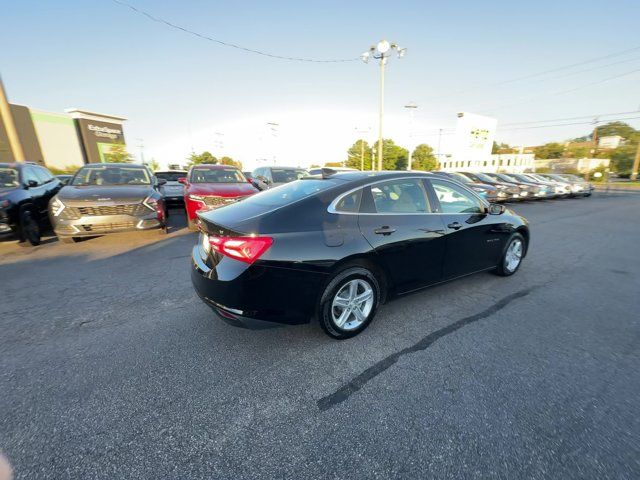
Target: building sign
{"type": "Point", "coordinates": [474, 137]}
{"type": "Point", "coordinates": [98, 133]}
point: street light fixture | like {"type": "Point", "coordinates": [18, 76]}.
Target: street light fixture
{"type": "Point", "coordinates": [381, 51]}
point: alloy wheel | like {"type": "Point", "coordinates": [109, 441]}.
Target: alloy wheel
{"type": "Point", "coordinates": [352, 304]}
{"type": "Point", "coordinates": [513, 257]}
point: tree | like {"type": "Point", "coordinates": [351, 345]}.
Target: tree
{"type": "Point", "coordinates": [153, 165]}
{"type": "Point", "coordinates": [231, 161]}
{"type": "Point", "coordinates": [423, 158]}
{"type": "Point", "coordinates": [394, 157]}
{"type": "Point", "coordinates": [625, 130]}
{"type": "Point", "coordinates": [354, 153]}
{"type": "Point", "coordinates": [622, 159]}
{"type": "Point", "coordinates": [549, 150]}
{"type": "Point", "coordinates": [118, 154]}
{"type": "Point", "coordinates": [502, 148]}
{"type": "Point", "coordinates": [578, 151]}
{"type": "Point", "coordinates": [333, 164]}
{"type": "Point", "coordinates": [198, 159]}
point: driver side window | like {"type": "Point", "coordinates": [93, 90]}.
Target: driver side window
{"type": "Point", "coordinates": [28, 174]}
{"type": "Point", "coordinates": [454, 199]}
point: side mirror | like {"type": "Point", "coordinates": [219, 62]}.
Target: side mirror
{"type": "Point", "coordinates": [32, 183]}
{"type": "Point", "coordinates": [496, 209]}
{"type": "Point", "coordinates": [161, 181]}
{"type": "Point", "coordinates": [183, 180]}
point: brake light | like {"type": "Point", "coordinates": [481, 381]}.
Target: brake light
{"type": "Point", "coordinates": [245, 249]}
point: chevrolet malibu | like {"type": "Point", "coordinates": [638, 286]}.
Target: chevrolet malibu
{"type": "Point", "coordinates": [336, 247]}
{"type": "Point", "coordinates": [106, 198]}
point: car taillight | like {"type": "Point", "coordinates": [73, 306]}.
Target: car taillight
{"type": "Point", "coordinates": [245, 249]}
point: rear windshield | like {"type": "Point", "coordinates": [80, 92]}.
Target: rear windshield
{"type": "Point", "coordinates": [290, 192]}
{"type": "Point", "coordinates": [217, 175]}
{"type": "Point", "coordinates": [102, 175]}
{"type": "Point", "coordinates": [8, 177]}
{"type": "Point", "coordinates": [282, 175]}
{"type": "Point", "coordinates": [171, 176]}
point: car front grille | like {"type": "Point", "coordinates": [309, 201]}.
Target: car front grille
{"type": "Point", "coordinates": [134, 209]}
{"type": "Point", "coordinates": [107, 227]}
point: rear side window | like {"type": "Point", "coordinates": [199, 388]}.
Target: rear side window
{"type": "Point", "coordinates": [281, 175]}
{"type": "Point", "coordinates": [43, 174]}
{"type": "Point", "coordinates": [289, 192]}
{"type": "Point", "coordinates": [350, 203]}
{"type": "Point", "coordinates": [400, 196]}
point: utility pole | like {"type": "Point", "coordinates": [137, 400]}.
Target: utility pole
{"type": "Point", "coordinates": [636, 164]}
{"type": "Point", "coordinates": [7, 119]}
{"type": "Point", "coordinates": [595, 146]}
{"type": "Point", "coordinates": [381, 51]}
{"type": "Point", "coordinates": [439, 141]}
{"type": "Point", "coordinates": [412, 108]}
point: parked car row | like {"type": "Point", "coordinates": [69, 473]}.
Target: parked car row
{"type": "Point", "coordinates": [503, 187]}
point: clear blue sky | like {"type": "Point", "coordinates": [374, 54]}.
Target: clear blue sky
{"type": "Point", "coordinates": [102, 56]}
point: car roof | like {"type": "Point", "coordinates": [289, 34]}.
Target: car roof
{"type": "Point", "coordinates": [105, 164]}
{"type": "Point", "coordinates": [170, 171]}
{"type": "Point", "coordinates": [370, 175]}
{"type": "Point", "coordinates": [279, 167]}
{"type": "Point", "coordinates": [212, 166]}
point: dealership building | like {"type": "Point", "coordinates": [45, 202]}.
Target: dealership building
{"type": "Point", "coordinates": [62, 140]}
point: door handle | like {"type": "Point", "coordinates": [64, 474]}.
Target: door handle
{"type": "Point", "coordinates": [384, 230]}
{"type": "Point", "coordinates": [455, 225]}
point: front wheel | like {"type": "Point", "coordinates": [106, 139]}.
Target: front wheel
{"type": "Point", "coordinates": [29, 229]}
{"type": "Point", "coordinates": [512, 256]}
{"type": "Point", "coordinates": [349, 303]}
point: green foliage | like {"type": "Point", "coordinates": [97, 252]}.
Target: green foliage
{"type": "Point", "coordinates": [354, 153]}
{"type": "Point", "coordinates": [394, 157]}
{"type": "Point", "coordinates": [201, 158]}
{"type": "Point", "coordinates": [622, 159]}
{"type": "Point", "coordinates": [423, 158]}
{"type": "Point", "coordinates": [118, 154]}
{"type": "Point", "coordinates": [550, 150]}
{"type": "Point", "coordinates": [68, 170]}
{"type": "Point", "coordinates": [577, 151]}
{"type": "Point", "coordinates": [502, 148]}
{"type": "Point", "coordinates": [625, 130]}
{"type": "Point", "coordinates": [153, 165]}
{"type": "Point", "coordinates": [333, 164]}
{"type": "Point", "coordinates": [230, 161]}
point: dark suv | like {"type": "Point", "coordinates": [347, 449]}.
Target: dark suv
{"type": "Point", "coordinates": [25, 191]}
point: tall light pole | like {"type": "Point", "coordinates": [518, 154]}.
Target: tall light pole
{"type": "Point", "coordinates": [381, 51]}
{"type": "Point", "coordinates": [411, 106]}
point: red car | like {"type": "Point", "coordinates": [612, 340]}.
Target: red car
{"type": "Point", "coordinates": [208, 187]}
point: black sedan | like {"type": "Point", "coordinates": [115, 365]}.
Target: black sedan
{"type": "Point", "coordinates": [335, 247]}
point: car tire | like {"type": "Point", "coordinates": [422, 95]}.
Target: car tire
{"type": "Point", "coordinates": [29, 230]}
{"type": "Point", "coordinates": [340, 314]}
{"type": "Point", "coordinates": [512, 256]}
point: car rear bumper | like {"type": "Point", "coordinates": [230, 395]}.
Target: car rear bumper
{"type": "Point", "coordinates": [251, 295]}
{"type": "Point", "coordinates": [102, 224]}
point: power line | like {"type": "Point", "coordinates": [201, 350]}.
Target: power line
{"type": "Point", "coordinates": [227, 44]}
{"type": "Point", "coordinates": [571, 118]}
{"type": "Point", "coordinates": [565, 67]}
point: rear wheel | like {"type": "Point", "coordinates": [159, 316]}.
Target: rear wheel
{"type": "Point", "coordinates": [349, 303]}
{"type": "Point", "coordinates": [29, 229]}
{"type": "Point", "coordinates": [512, 256]}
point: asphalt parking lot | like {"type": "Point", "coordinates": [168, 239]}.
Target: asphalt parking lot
{"type": "Point", "coordinates": [110, 367]}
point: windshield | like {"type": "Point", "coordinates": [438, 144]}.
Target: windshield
{"type": "Point", "coordinates": [171, 176]}
{"type": "Point", "coordinates": [506, 178]}
{"type": "Point", "coordinates": [285, 175]}
{"type": "Point", "coordinates": [461, 177]}
{"type": "Point", "coordinates": [103, 175]}
{"type": "Point", "coordinates": [8, 177]}
{"type": "Point", "coordinates": [217, 175]}
{"type": "Point", "coordinates": [484, 178]}
{"type": "Point", "coordinates": [290, 192]}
